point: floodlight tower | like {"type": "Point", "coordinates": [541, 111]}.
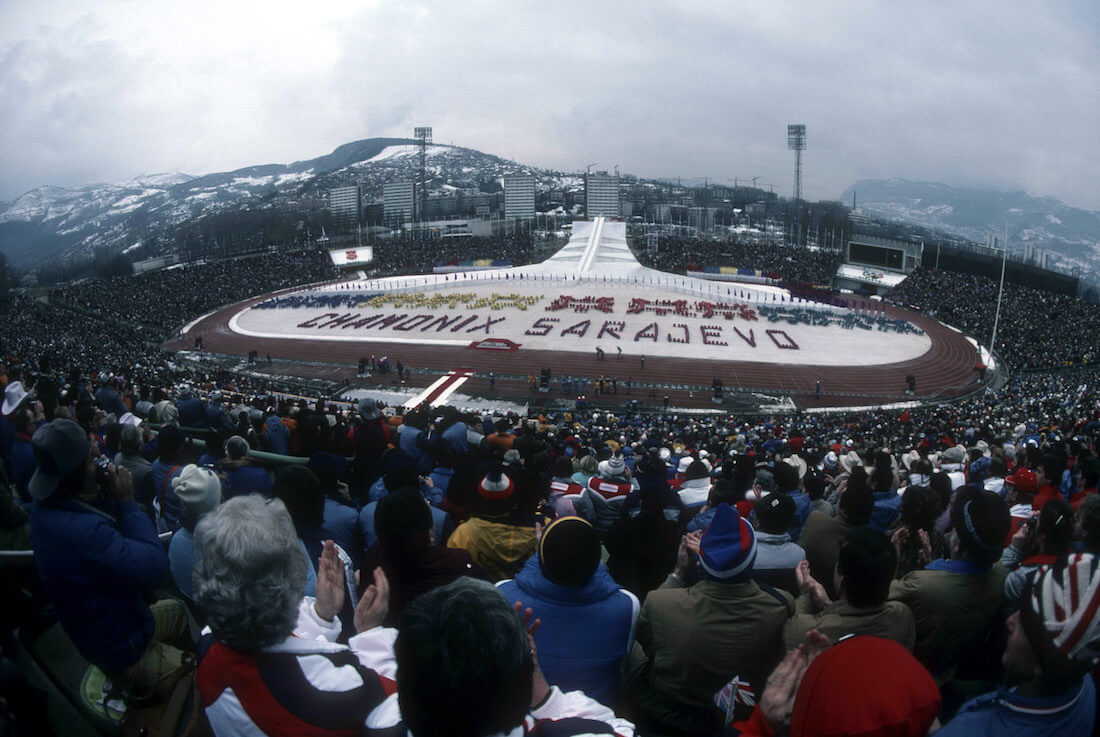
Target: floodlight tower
{"type": "Point", "coordinates": [796, 141]}
{"type": "Point", "coordinates": [423, 138]}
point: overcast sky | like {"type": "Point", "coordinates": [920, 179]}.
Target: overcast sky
{"type": "Point", "coordinates": [984, 93]}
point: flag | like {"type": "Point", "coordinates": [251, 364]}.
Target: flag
{"type": "Point", "coordinates": [737, 691]}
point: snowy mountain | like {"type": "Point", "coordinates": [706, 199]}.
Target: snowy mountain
{"type": "Point", "coordinates": [53, 222]}
{"type": "Point", "coordinates": [1042, 222]}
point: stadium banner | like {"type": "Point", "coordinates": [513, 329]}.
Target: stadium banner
{"type": "Point", "coordinates": [735, 277]}
{"type": "Point", "coordinates": [343, 257]}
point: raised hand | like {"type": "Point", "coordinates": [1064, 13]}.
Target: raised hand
{"type": "Point", "coordinates": [374, 605]}
{"type": "Point", "coordinates": [330, 583]}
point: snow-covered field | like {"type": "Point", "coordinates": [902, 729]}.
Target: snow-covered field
{"type": "Point", "coordinates": [579, 316]}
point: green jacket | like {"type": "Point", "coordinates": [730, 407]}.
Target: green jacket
{"type": "Point", "coordinates": [698, 638]}
{"type": "Point", "coordinates": [892, 621]}
{"type": "Point", "coordinates": [821, 538]}
{"type": "Point", "coordinates": [955, 605]}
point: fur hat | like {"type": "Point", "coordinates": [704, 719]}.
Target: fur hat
{"type": "Point", "coordinates": [198, 489]}
{"type": "Point", "coordinates": [569, 551]}
{"type": "Point", "coordinates": [59, 447]}
{"type": "Point", "coordinates": [727, 549]}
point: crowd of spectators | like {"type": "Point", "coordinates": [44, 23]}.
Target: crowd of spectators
{"type": "Point", "coordinates": [400, 256]}
{"type": "Point", "coordinates": [670, 574]}
{"type": "Point", "coordinates": [784, 263]}
{"type": "Point", "coordinates": [1037, 329]}
{"type": "Point", "coordinates": [164, 300]}
{"type": "Point", "coordinates": [739, 551]}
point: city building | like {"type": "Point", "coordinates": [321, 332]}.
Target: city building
{"type": "Point", "coordinates": [519, 197]}
{"type": "Point", "coordinates": [398, 201]}
{"type": "Point", "coordinates": [601, 195]}
{"type": "Point", "coordinates": [344, 205]}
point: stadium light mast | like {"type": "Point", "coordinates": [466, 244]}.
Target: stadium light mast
{"type": "Point", "coordinates": [1000, 293]}
{"type": "Point", "coordinates": [796, 141]}
{"type": "Point", "coordinates": [423, 136]}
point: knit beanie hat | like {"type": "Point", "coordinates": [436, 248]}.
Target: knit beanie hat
{"type": "Point", "coordinates": [981, 517]}
{"type": "Point", "coordinates": [775, 513]}
{"type": "Point", "coordinates": [569, 551]}
{"type": "Point", "coordinates": [865, 687]}
{"type": "Point", "coordinates": [727, 549]}
{"type": "Point", "coordinates": [613, 466]}
{"type": "Point", "coordinates": [1065, 610]}
{"type": "Point", "coordinates": [236, 447]}
{"type": "Point", "coordinates": [198, 489]}
{"type": "Point", "coordinates": [696, 470]}
{"type": "Point", "coordinates": [496, 486]}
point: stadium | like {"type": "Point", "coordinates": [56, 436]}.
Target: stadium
{"type": "Point", "coordinates": [592, 313]}
{"type": "Point", "coordinates": [884, 421]}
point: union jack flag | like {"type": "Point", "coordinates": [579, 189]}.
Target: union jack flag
{"type": "Point", "coordinates": [737, 691]}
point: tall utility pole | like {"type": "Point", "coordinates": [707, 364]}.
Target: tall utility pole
{"type": "Point", "coordinates": [423, 138]}
{"type": "Point", "coordinates": [796, 141]}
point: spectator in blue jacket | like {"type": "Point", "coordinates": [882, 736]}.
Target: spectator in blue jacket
{"type": "Point", "coordinates": [587, 620]}
{"type": "Point", "coordinates": [26, 419]}
{"type": "Point", "coordinates": [200, 491]}
{"type": "Point", "coordinates": [1051, 648]}
{"type": "Point", "coordinates": [167, 466]}
{"type": "Point", "coordinates": [241, 476]}
{"type": "Point", "coordinates": [192, 409]}
{"type": "Point", "coordinates": [340, 514]}
{"type": "Point", "coordinates": [788, 482]}
{"type": "Point", "coordinates": [887, 502]}
{"type": "Point", "coordinates": [216, 416]}
{"type": "Point", "coordinates": [99, 559]}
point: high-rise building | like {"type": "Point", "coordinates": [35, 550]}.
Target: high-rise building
{"type": "Point", "coordinates": [344, 204]}
{"type": "Point", "coordinates": [601, 195]}
{"type": "Point", "coordinates": [398, 201]}
{"type": "Point", "coordinates": [519, 197]}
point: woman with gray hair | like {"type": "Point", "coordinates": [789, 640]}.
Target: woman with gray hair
{"type": "Point", "coordinates": [275, 666]}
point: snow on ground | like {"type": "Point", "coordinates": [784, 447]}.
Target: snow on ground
{"type": "Point", "coordinates": [518, 311]}
{"type": "Point", "coordinates": [592, 294]}
{"type": "Point", "coordinates": [463, 402]}
{"type": "Point", "coordinates": [390, 152]}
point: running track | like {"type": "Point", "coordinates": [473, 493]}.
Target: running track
{"type": "Point", "coordinates": [946, 370]}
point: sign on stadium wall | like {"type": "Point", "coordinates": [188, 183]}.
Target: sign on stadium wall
{"type": "Point", "coordinates": [356, 256]}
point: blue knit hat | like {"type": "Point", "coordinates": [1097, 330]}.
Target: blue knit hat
{"type": "Point", "coordinates": [727, 550]}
